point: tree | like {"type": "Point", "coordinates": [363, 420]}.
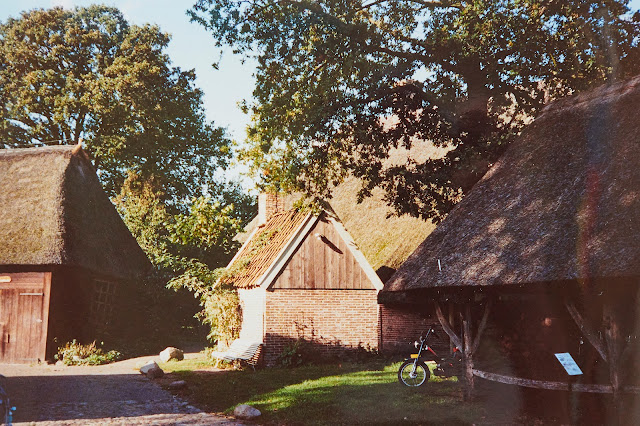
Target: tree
{"type": "Point", "coordinates": [342, 83]}
{"type": "Point", "coordinates": [87, 75]}
{"type": "Point", "coordinates": [188, 251]}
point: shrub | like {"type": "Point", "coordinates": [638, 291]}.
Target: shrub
{"type": "Point", "coordinates": [293, 354]}
{"type": "Point", "coordinates": [74, 353]}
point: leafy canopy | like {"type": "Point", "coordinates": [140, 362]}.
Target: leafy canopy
{"type": "Point", "coordinates": [342, 84]}
{"type": "Point", "coordinates": [187, 249]}
{"type": "Point", "coordinates": [87, 75]}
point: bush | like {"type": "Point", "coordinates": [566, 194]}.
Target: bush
{"type": "Point", "coordinates": [293, 355]}
{"type": "Point", "coordinates": [74, 353]}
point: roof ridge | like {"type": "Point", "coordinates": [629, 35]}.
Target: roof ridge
{"type": "Point", "coordinates": [39, 149]}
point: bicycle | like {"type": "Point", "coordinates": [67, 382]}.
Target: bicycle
{"type": "Point", "coordinates": [414, 372]}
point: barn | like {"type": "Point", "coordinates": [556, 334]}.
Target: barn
{"type": "Point", "coordinates": [64, 254]}
{"type": "Point", "coordinates": [544, 250]}
{"type": "Point", "coordinates": [300, 276]}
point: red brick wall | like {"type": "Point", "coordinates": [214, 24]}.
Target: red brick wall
{"type": "Point", "coordinates": [332, 320]}
{"type": "Point", "coordinates": [401, 327]}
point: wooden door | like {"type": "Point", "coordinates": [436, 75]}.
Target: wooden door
{"type": "Point", "coordinates": [24, 312]}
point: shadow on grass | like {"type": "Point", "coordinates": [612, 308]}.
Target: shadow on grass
{"type": "Point", "coordinates": [330, 394]}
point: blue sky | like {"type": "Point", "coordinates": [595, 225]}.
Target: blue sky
{"type": "Point", "coordinates": [191, 47]}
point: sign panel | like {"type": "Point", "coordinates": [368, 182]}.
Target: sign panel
{"type": "Point", "coordinates": [569, 364]}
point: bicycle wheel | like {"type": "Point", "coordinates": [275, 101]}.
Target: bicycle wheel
{"type": "Point", "coordinates": [413, 377]}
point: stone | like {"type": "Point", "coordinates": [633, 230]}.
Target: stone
{"type": "Point", "coordinates": [246, 412]}
{"type": "Point", "coordinates": [149, 365]}
{"type": "Point", "coordinates": [152, 370]}
{"type": "Point", "coordinates": [171, 353]}
{"type": "Point", "coordinates": [155, 373]}
{"type": "Point", "coordinates": [178, 384]}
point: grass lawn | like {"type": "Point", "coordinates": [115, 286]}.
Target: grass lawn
{"type": "Point", "coordinates": [324, 394]}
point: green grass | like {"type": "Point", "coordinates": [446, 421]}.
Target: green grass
{"type": "Point", "coordinates": [325, 394]}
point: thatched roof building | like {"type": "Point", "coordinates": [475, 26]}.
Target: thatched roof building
{"type": "Point", "coordinates": [561, 204]}
{"type": "Point", "coordinates": [65, 253]}
{"type": "Point", "coordinates": [53, 211]}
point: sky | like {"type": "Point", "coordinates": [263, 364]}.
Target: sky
{"type": "Point", "coordinates": [191, 47]}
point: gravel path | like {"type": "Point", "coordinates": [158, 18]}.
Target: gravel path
{"type": "Point", "coordinates": [108, 394]}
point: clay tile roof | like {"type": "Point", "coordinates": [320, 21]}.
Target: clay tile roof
{"type": "Point", "coordinates": [561, 204]}
{"type": "Point", "coordinates": [53, 211]}
{"type": "Point", "coordinates": [263, 248]}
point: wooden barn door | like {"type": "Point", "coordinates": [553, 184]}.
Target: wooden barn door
{"type": "Point", "coordinates": [24, 312]}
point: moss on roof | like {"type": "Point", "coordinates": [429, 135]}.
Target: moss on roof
{"type": "Point", "coordinates": [260, 252]}
{"type": "Point", "coordinates": [561, 204]}
{"type": "Point", "coordinates": [53, 211]}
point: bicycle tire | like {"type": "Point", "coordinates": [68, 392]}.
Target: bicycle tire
{"type": "Point", "coordinates": [411, 378]}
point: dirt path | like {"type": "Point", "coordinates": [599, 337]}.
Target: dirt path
{"type": "Point", "coordinates": [109, 394]}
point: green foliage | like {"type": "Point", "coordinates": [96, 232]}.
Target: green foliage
{"type": "Point", "coordinates": [74, 353]}
{"type": "Point", "coordinates": [187, 249]}
{"type": "Point", "coordinates": [342, 84]}
{"type": "Point", "coordinates": [88, 75]}
{"type": "Point", "coordinates": [293, 354]}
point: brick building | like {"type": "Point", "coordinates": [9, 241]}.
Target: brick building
{"type": "Point", "coordinates": [300, 276]}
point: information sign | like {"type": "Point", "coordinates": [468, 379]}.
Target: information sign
{"type": "Point", "coordinates": [569, 364]}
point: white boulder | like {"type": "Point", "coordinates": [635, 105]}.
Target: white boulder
{"type": "Point", "coordinates": [171, 353]}
{"type": "Point", "coordinates": [246, 412]}
{"type": "Point", "coordinates": [152, 370]}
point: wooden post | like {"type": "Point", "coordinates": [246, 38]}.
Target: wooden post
{"type": "Point", "coordinates": [468, 345]}
{"type": "Point", "coordinates": [614, 343]}
{"type": "Point", "coordinates": [468, 353]}
{"type": "Point", "coordinates": [452, 321]}
{"type": "Point", "coordinates": [611, 348]}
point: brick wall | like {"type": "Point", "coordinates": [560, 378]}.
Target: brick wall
{"type": "Point", "coordinates": [402, 326]}
{"type": "Point", "coordinates": [332, 320]}
{"type": "Point", "coordinates": [269, 204]}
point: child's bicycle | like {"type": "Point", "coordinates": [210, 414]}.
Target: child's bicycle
{"type": "Point", "coordinates": [414, 372]}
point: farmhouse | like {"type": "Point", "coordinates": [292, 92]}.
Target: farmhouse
{"type": "Point", "coordinates": [64, 252]}
{"type": "Point", "coordinates": [549, 237]}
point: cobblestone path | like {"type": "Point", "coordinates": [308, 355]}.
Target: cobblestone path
{"type": "Point", "coordinates": [111, 394]}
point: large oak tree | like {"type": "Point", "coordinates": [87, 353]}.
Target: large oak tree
{"type": "Point", "coordinates": [341, 83]}
{"type": "Point", "coordinates": [87, 75]}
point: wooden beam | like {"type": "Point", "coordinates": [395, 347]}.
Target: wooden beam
{"type": "Point", "coordinates": [543, 384]}
{"type": "Point", "coordinates": [467, 335]}
{"type": "Point", "coordinates": [482, 325]}
{"type": "Point", "coordinates": [447, 327]}
{"type": "Point", "coordinates": [586, 330]}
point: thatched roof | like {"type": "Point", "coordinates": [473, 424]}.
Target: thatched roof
{"type": "Point", "coordinates": [561, 204]}
{"type": "Point", "coordinates": [53, 211]}
{"type": "Point", "coordinates": [386, 240]}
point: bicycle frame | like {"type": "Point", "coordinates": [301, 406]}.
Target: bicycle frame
{"type": "Point", "coordinates": [422, 345]}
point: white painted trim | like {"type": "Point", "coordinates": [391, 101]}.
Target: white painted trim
{"type": "Point", "coordinates": [355, 251]}
{"type": "Point", "coordinates": [287, 251]}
